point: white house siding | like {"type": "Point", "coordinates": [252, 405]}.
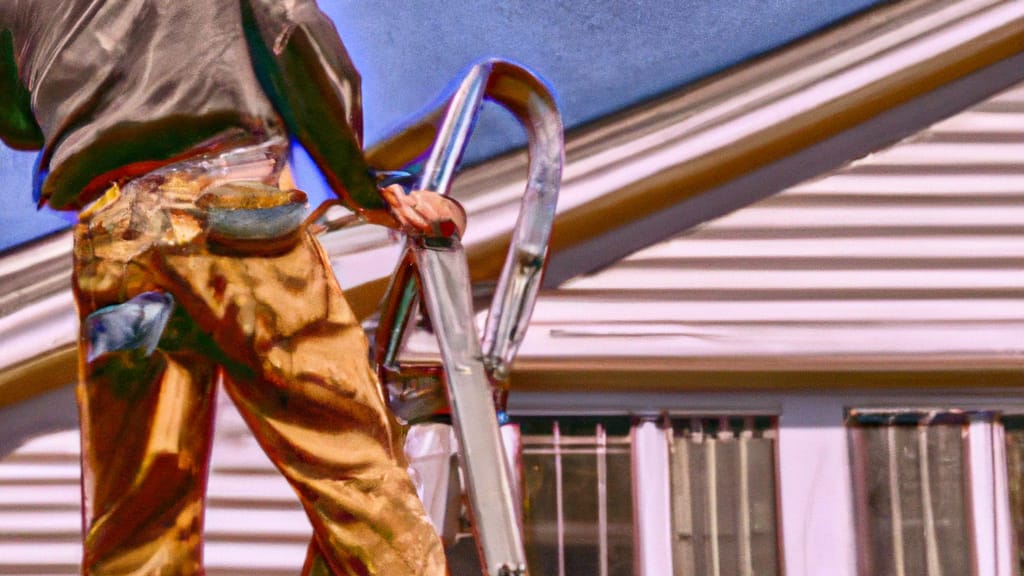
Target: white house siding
{"type": "Point", "coordinates": [910, 257]}
{"type": "Point", "coordinates": [913, 256]}
{"type": "Point", "coordinates": [254, 524]}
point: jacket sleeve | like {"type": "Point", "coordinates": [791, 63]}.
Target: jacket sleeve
{"type": "Point", "coordinates": [18, 127]}
{"type": "Point", "coordinates": [304, 69]}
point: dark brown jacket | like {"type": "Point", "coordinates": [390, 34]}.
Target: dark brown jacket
{"type": "Point", "coordinates": [110, 90]}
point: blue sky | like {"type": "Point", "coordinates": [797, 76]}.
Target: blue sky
{"type": "Point", "coordinates": [599, 55]}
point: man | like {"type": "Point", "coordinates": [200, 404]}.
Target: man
{"type": "Point", "coordinates": [165, 123]}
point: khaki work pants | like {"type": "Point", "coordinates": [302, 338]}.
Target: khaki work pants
{"type": "Point", "coordinates": [269, 319]}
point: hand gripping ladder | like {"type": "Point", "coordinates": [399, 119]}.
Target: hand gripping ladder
{"type": "Point", "coordinates": [473, 382]}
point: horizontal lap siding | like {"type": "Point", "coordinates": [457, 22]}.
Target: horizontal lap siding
{"type": "Point", "coordinates": [254, 524]}
{"type": "Point", "coordinates": [912, 254]}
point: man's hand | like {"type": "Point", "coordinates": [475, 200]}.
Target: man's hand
{"type": "Point", "coordinates": [425, 212]}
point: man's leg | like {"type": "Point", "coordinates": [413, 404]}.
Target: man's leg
{"type": "Point", "coordinates": [146, 422]}
{"type": "Point", "coordinates": [145, 399]}
{"type": "Point", "coordinates": [302, 381]}
{"type": "Point", "coordinates": [335, 452]}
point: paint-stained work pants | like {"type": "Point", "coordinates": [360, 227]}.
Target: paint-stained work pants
{"type": "Point", "coordinates": [270, 319]}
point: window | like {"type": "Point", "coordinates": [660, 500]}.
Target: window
{"type": "Point", "coordinates": [577, 496]}
{"type": "Point", "coordinates": [723, 497]}
{"type": "Point", "coordinates": [614, 495]}
{"type": "Point", "coordinates": [930, 491]}
{"type": "Point", "coordinates": [1014, 431]}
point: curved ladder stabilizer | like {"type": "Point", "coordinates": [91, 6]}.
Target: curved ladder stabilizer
{"type": "Point", "coordinates": [473, 382]}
